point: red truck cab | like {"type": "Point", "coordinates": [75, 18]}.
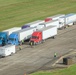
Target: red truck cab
{"type": "Point", "coordinates": [36, 37]}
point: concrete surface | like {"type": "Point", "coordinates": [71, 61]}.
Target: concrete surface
{"type": "Point", "coordinates": [29, 59]}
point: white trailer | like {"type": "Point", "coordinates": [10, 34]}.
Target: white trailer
{"type": "Point", "coordinates": [33, 24]}
{"type": "Point", "coordinates": [7, 50]}
{"type": "Point", "coordinates": [50, 23]}
{"type": "Point", "coordinates": [25, 33]}
{"type": "Point", "coordinates": [55, 17]}
{"type": "Point", "coordinates": [69, 19]}
{"type": "Point", "coordinates": [50, 31]}
{"type": "Point", "coordinates": [40, 26]}
{"type": "Point", "coordinates": [9, 31]}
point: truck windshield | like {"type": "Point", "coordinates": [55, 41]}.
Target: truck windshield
{"type": "Point", "coordinates": [34, 37]}
{"type": "Point", "coordinates": [12, 39]}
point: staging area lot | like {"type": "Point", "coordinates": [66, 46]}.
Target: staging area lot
{"type": "Point", "coordinates": [30, 59]}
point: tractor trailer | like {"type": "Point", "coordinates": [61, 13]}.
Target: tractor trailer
{"type": "Point", "coordinates": [33, 24]}
{"type": "Point", "coordinates": [55, 17]}
{"type": "Point", "coordinates": [17, 37]}
{"type": "Point", "coordinates": [69, 19]}
{"type": "Point", "coordinates": [4, 35]}
{"type": "Point", "coordinates": [43, 34]}
{"type": "Point", "coordinates": [49, 23]}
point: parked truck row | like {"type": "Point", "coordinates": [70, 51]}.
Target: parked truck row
{"type": "Point", "coordinates": [37, 32]}
{"type": "Point", "coordinates": [5, 34]}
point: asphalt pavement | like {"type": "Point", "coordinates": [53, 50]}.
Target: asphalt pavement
{"type": "Point", "coordinates": [29, 59]}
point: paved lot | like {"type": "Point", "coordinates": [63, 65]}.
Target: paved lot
{"type": "Point", "coordinates": [32, 59]}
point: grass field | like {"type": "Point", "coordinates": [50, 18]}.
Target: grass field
{"type": "Point", "coordinates": [18, 12]}
{"type": "Point", "coordinates": [68, 71]}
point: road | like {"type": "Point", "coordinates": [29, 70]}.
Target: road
{"type": "Point", "coordinates": [30, 59]}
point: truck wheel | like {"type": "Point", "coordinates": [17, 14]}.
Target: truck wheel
{"type": "Point", "coordinates": [35, 44]}
{"type": "Point", "coordinates": [20, 43]}
{"type": "Point", "coordinates": [43, 41]}
{"type": "Point", "coordinates": [53, 37]}
{"type": "Point", "coordinates": [64, 27]}
{"type": "Point", "coordinates": [11, 54]}
{"type": "Point", "coordinates": [73, 23]}
{"type": "Point", "coordinates": [39, 42]}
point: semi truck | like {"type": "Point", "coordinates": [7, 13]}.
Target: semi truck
{"type": "Point", "coordinates": [33, 24]}
{"type": "Point", "coordinates": [55, 17]}
{"type": "Point", "coordinates": [50, 23]}
{"type": "Point", "coordinates": [69, 19]}
{"type": "Point", "coordinates": [17, 37]}
{"type": "Point", "coordinates": [7, 50]}
{"type": "Point", "coordinates": [4, 35]}
{"type": "Point", "coordinates": [43, 34]}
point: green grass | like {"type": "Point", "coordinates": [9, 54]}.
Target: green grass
{"type": "Point", "coordinates": [68, 71]}
{"type": "Point", "coordinates": [18, 12]}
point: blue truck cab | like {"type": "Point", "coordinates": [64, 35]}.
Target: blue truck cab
{"type": "Point", "coordinates": [13, 39]}
{"type": "Point", "coordinates": [3, 38]}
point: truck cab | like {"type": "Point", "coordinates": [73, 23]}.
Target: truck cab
{"type": "Point", "coordinates": [13, 39]}
{"type": "Point", "coordinates": [3, 38]}
{"type": "Point", "coordinates": [36, 37]}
